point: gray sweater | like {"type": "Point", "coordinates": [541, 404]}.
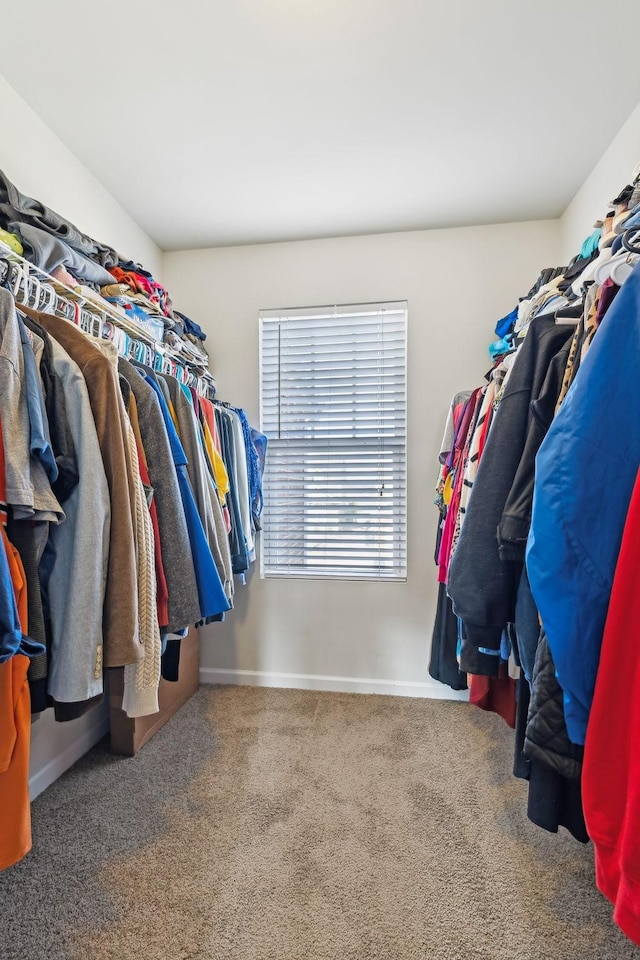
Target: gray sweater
{"type": "Point", "coordinates": [184, 606]}
{"type": "Point", "coordinates": [78, 553]}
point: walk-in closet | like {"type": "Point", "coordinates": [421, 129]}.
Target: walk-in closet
{"type": "Point", "coordinates": [319, 481]}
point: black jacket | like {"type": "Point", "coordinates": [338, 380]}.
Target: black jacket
{"type": "Point", "coordinates": [515, 522]}
{"type": "Point", "coordinates": [481, 584]}
{"type": "Point", "coordinates": [546, 737]}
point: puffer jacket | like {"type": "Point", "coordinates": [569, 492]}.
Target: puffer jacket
{"type": "Point", "coordinates": [546, 737]}
{"type": "Point", "coordinates": [585, 471]}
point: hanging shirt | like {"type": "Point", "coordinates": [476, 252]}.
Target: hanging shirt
{"type": "Point", "coordinates": [40, 439]}
{"type": "Point", "coordinates": [57, 417]}
{"type": "Point", "coordinates": [238, 542]}
{"type": "Point", "coordinates": [162, 591]}
{"type": "Point", "coordinates": [189, 434]}
{"type": "Point", "coordinates": [14, 638]}
{"type": "Point", "coordinates": [75, 563]}
{"type": "Point", "coordinates": [120, 627]}
{"type": "Point", "coordinates": [254, 472]}
{"type": "Point", "coordinates": [28, 488]}
{"type": "Point", "coordinates": [10, 628]}
{"type": "Point", "coordinates": [242, 481]}
{"type": "Point", "coordinates": [183, 602]}
{"type": "Point", "coordinates": [219, 468]}
{"type": "Point", "coordinates": [202, 482]}
{"type": "Point", "coordinates": [211, 593]}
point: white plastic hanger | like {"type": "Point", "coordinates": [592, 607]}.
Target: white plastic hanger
{"type": "Point", "coordinates": [622, 269]}
{"type": "Point", "coordinates": [618, 268]}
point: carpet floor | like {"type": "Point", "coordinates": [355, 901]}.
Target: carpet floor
{"type": "Point", "coordinates": [294, 825]}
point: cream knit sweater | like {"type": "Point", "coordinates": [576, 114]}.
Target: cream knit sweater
{"type": "Point", "coordinates": [141, 679]}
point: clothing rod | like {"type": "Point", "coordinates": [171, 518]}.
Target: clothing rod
{"type": "Point", "coordinates": [23, 273]}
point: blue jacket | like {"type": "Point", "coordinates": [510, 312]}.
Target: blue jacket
{"type": "Point", "coordinates": [585, 472]}
{"type": "Point", "coordinates": [211, 593]}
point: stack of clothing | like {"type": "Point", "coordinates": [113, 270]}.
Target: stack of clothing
{"type": "Point", "coordinates": [94, 269]}
{"type": "Point", "coordinates": [537, 475]}
{"type": "Point", "coordinates": [130, 503]}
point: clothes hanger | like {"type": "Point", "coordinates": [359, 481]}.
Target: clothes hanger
{"type": "Point", "coordinates": [33, 290]}
{"type": "Point", "coordinates": [19, 280]}
{"type": "Point", "coordinates": [97, 326]}
{"type": "Point", "coordinates": [86, 320]}
{"type": "Point", "coordinates": [44, 297]}
{"type": "Point", "coordinates": [621, 269]}
{"type": "Point", "coordinates": [5, 272]}
{"type": "Point", "coordinates": [63, 308]}
{"type": "Point", "coordinates": [48, 301]}
{"type": "Point", "coordinates": [571, 314]}
{"type": "Point", "coordinates": [603, 271]}
{"type": "Point", "coordinates": [629, 240]}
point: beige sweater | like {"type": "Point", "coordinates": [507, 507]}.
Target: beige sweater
{"type": "Point", "coordinates": [141, 680]}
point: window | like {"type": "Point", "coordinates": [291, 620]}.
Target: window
{"type": "Point", "coordinates": [333, 400]}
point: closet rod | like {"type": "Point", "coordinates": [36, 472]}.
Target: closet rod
{"type": "Point", "coordinates": [52, 293]}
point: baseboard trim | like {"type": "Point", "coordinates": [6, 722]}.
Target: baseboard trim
{"type": "Point", "coordinates": [431, 690]}
{"type": "Point", "coordinates": [62, 761]}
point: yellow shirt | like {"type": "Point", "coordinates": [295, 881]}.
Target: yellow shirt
{"type": "Point", "coordinates": [217, 463]}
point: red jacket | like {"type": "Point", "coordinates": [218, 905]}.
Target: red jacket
{"type": "Point", "coordinates": [611, 773]}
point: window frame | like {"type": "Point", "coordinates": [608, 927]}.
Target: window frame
{"type": "Point", "coordinates": [401, 576]}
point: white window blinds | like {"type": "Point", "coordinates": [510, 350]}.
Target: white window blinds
{"type": "Point", "coordinates": [333, 396]}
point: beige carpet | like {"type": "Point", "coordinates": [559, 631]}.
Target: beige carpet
{"type": "Point", "coordinates": [287, 825]}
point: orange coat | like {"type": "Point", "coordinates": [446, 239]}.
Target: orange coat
{"type": "Point", "coordinates": [15, 722]}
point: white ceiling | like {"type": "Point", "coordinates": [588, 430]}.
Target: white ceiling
{"type": "Point", "coordinates": [236, 121]}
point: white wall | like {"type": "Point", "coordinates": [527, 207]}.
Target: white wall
{"type": "Point", "coordinates": [358, 635]}
{"type": "Point", "coordinates": [610, 174]}
{"type": "Point", "coordinates": [39, 164]}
